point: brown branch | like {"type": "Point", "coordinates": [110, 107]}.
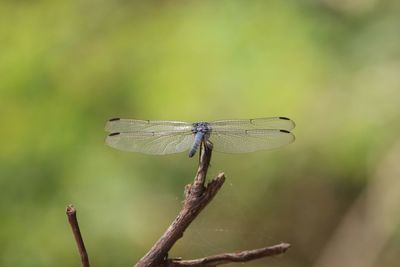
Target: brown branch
{"type": "Point", "coordinates": [197, 196]}
{"type": "Point", "coordinates": [73, 221]}
{"type": "Point", "coordinates": [197, 188]}
{"type": "Point", "coordinates": [225, 258]}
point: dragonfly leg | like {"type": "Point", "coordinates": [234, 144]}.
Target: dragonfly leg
{"type": "Point", "coordinates": [201, 150]}
{"type": "Point", "coordinates": [208, 145]}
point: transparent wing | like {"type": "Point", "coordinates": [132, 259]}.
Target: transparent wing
{"type": "Point", "coordinates": [127, 125]}
{"type": "Point", "coordinates": [159, 143]}
{"type": "Point", "coordinates": [281, 123]}
{"type": "Point", "coordinates": [242, 141]}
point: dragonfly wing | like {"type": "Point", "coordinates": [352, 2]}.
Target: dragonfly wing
{"type": "Point", "coordinates": [280, 123]}
{"type": "Point", "coordinates": [243, 141]}
{"type": "Point", "coordinates": [158, 143]}
{"type": "Point", "coordinates": [127, 125]}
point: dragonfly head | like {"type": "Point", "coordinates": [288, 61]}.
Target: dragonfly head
{"type": "Point", "coordinates": [202, 127]}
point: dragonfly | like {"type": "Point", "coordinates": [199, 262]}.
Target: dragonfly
{"type": "Point", "coordinates": [228, 136]}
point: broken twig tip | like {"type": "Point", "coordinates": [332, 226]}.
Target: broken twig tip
{"type": "Point", "coordinates": [285, 246]}
{"type": "Point", "coordinates": [70, 209]}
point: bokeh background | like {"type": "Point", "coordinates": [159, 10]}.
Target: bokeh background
{"type": "Point", "coordinates": [333, 66]}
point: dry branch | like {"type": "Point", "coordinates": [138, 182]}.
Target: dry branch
{"type": "Point", "coordinates": [73, 221]}
{"type": "Point", "coordinates": [197, 196]}
{"type": "Point", "coordinates": [225, 258]}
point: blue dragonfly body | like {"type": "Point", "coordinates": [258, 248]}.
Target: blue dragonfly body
{"type": "Point", "coordinates": [229, 136]}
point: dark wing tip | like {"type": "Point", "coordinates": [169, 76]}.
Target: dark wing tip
{"type": "Point", "coordinates": [284, 131]}
{"type": "Point", "coordinates": [284, 118]}
{"type": "Point", "coordinates": [113, 134]}
{"type": "Point", "coordinates": [114, 119]}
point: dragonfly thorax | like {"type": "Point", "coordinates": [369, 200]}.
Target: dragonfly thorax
{"type": "Point", "coordinates": [201, 127]}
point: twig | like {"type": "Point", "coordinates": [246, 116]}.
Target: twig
{"type": "Point", "coordinates": [225, 258]}
{"type": "Point", "coordinates": [197, 196]}
{"type": "Point", "coordinates": [73, 221]}
{"type": "Point", "coordinates": [197, 188]}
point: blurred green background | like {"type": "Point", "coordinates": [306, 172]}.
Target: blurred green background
{"type": "Point", "coordinates": [333, 66]}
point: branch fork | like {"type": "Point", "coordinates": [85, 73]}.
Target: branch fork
{"type": "Point", "coordinates": [197, 197]}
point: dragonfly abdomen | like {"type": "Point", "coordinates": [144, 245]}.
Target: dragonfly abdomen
{"type": "Point", "coordinates": [197, 140]}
